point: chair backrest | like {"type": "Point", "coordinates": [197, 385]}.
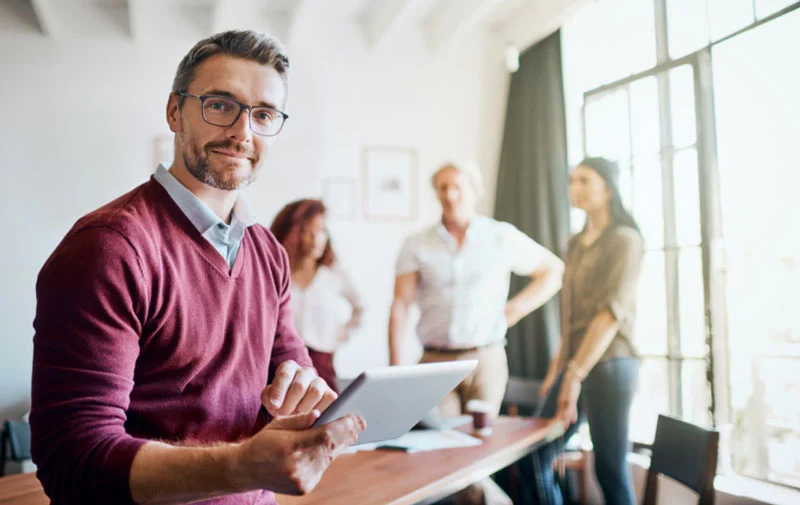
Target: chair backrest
{"type": "Point", "coordinates": [686, 453]}
{"type": "Point", "coordinates": [18, 434]}
{"type": "Point", "coordinates": [523, 393]}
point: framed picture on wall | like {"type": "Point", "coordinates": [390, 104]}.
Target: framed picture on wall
{"type": "Point", "coordinates": [339, 196]}
{"type": "Point", "coordinates": [390, 183]}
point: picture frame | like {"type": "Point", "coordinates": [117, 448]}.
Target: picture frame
{"type": "Point", "coordinates": [390, 183]}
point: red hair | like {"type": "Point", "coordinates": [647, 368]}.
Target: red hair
{"type": "Point", "coordinates": [290, 225]}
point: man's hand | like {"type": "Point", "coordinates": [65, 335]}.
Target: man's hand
{"type": "Point", "coordinates": [512, 313]}
{"type": "Point", "coordinates": [296, 390]}
{"type": "Point", "coordinates": [288, 458]}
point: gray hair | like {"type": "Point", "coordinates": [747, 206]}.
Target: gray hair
{"type": "Point", "coordinates": [467, 167]}
{"type": "Point", "coordinates": [247, 44]}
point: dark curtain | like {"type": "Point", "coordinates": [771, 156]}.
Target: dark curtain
{"type": "Point", "coordinates": [532, 189]}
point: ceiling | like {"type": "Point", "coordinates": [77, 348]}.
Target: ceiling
{"type": "Point", "coordinates": [441, 22]}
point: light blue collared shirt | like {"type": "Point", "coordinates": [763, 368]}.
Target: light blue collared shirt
{"type": "Point", "coordinates": [226, 238]}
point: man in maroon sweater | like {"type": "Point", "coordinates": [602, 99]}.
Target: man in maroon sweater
{"type": "Point", "coordinates": [162, 316]}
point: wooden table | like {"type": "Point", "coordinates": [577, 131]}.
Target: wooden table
{"type": "Point", "coordinates": [379, 477]}
{"type": "Point", "coordinates": [22, 489]}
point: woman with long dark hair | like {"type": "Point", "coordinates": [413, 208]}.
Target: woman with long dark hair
{"type": "Point", "coordinates": [325, 304]}
{"type": "Point", "coordinates": [595, 373]}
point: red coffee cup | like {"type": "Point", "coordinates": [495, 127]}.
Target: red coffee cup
{"type": "Point", "coordinates": [481, 416]}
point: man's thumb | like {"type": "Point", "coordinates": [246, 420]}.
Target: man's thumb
{"type": "Point", "coordinates": [295, 422]}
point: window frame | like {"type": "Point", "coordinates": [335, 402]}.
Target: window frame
{"type": "Point", "coordinates": [715, 312]}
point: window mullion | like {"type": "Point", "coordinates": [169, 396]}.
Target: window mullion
{"type": "Point", "coordinates": [668, 198]}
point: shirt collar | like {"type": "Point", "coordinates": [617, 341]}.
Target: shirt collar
{"type": "Point", "coordinates": [472, 230]}
{"type": "Point", "coordinates": [202, 217]}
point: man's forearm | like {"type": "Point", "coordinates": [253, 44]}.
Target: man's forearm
{"type": "Point", "coordinates": [162, 474]}
{"type": "Point", "coordinates": [541, 289]}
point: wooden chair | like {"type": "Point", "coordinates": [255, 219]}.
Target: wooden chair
{"type": "Point", "coordinates": [16, 440]}
{"type": "Point", "coordinates": [521, 393]}
{"type": "Point", "coordinates": [686, 453]}
{"type": "Point", "coordinates": [577, 462]}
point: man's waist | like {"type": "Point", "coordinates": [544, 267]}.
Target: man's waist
{"type": "Point", "coordinates": [458, 350]}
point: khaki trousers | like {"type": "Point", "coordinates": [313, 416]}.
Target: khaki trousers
{"type": "Point", "coordinates": [487, 382]}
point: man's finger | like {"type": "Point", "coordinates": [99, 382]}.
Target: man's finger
{"type": "Point", "coordinates": [314, 394]}
{"type": "Point", "coordinates": [284, 376]}
{"type": "Point", "coordinates": [337, 435]}
{"type": "Point", "coordinates": [297, 391]}
{"type": "Point", "coordinates": [329, 397]}
{"type": "Point", "coordinates": [298, 422]}
{"type": "Point", "coordinates": [346, 433]}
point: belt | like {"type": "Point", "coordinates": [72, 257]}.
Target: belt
{"type": "Point", "coordinates": [449, 350]}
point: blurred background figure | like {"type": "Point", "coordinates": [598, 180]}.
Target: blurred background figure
{"type": "Point", "coordinates": [595, 373]}
{"type": "Point", "coordinates": [325, 303]}
{"type": "Point", "coordinates": [458, 273]}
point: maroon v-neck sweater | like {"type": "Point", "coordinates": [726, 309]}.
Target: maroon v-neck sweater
{"type": "Point", "coordinates": [144, 333]}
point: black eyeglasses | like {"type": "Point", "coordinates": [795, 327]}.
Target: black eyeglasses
{"type": "Point", "coordinates": [224, 111]}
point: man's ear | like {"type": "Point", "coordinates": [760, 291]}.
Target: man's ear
{"type": "Point", "coordinates": [174, 112]}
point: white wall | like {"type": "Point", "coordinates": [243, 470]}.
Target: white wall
{"type": "Point", "coordinates": [80, 118]}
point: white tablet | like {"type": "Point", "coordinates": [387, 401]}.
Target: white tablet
{"type": "Point", "coordinates": [393, 399]}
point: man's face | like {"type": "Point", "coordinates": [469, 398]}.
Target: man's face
{"type": "Point", "coordinates": [227, 158]}
{"type": "Point", "coordinates": [456, 194]}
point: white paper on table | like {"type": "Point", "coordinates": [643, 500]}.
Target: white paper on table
{"type": "Point", "coordinates": [430, 440]}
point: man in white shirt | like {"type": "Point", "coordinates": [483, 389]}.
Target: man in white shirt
{"type": "Point", "coordinates": [458, 273]}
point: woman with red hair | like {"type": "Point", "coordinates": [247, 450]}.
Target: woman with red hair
{"type": "Point", "coordinates": [325, 304]}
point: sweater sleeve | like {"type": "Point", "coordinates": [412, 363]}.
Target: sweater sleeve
{"type": "Point", "coordinates": [288, 344]}
{"type": "Point", "coordinates": [90, 307]}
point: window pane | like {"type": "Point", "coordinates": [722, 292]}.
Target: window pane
{"type": "Point", "coordinates": [626, 184]}
{"type": "Point", "coordinates": [650, 334]}
{"type": "Point", "coordinates": [687, 26]}
{"type": "Point", "coordinates": [727, 16]}
{"type": "Point", "coordinates": [587, 41]}
{"type": "Point", "coordinates": [766, 7]}
{"type": "Point", "coordinates": [687, 197]}
{"type": "Point", "coordinates": [647, 201]}
{"type": "Point", "coordinates": [756, 141]}
{"type": "Point", "coordinates": [696, 394]}
{"type": "Point", "coordinates": [651, 399]}
{"type": "Point", "coordinates": [781, 405]}
{"type": "Point", "coordinates": [607, 128]}
{"type": "Point", "coordinates": [684, 129]}
{"type": "Point", "coordinates": [644, 117]}
{"type": "Point", "coordinates": [601, 43]}
{"type": "Point", "coordinates": [692, 305]}
{"type": "Point", "coordinates": [770, 428]}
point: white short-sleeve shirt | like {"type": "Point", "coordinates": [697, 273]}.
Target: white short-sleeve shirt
{"type": "Point", "coordinates": [462, 293]}
{"type": "Point", "coordinates": [322, 309]}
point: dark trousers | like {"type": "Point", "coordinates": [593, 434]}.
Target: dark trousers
{"type": "Point", "coordinates": [605, 402]}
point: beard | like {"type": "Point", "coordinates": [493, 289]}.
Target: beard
{"type": "Point", "coordinates": [227, 176]}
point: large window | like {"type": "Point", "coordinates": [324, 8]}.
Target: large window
{"type": "Point", "coordinates": [660, 184]}
{"type": "Point", "coordinates": [756, 82]}
{"type": "Point", "coordinates": [719, 339]}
